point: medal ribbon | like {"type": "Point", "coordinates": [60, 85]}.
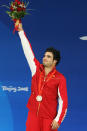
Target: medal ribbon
{"type": "Point", "coordinates": [40, 79]}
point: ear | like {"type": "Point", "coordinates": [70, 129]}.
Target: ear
{"type": "Point", "coordinates": [55, 61]}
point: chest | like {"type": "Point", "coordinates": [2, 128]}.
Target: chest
{"type": "Point", "coordinates": [48, 86]}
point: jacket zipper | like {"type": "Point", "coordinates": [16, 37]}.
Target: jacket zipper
{"type": "Point", "coordinates": [38, 108]}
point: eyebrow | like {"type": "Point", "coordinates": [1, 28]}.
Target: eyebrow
{"type": "Point", "coordinates": [47, 55]}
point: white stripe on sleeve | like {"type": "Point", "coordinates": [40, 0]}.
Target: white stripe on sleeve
{"type": "Point", "coordinates": [28, 52]}
{"type": "Point", "coordinates": [60, 107]}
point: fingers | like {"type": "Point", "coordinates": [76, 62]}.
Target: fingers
{"type": "Point", "coordinates": [18, 25]}
{"type": "Point", "coordinates": [54, 125]}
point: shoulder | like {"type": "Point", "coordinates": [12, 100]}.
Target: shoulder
{"type": "Point", "coordinates": [60, 75]}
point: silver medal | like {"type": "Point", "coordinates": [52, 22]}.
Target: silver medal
{"type": "Point", "coordinates": [39, 98]}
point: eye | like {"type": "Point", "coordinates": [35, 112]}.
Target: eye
{"type": "Point", "coordinates": [48, 56]}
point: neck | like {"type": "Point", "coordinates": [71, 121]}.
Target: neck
{"type": "Point", "coordinates": [48, 69]}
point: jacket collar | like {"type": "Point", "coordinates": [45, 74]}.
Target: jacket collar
{"type": "Point", "coordinates": [42, 70]}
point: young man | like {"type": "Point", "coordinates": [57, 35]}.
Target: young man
{"type": "Point", "coordinates": [48, 89]}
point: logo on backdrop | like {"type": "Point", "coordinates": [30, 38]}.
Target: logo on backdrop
{"type": "Point", "coordinates": [14, 89]}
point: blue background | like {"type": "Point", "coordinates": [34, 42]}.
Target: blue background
{"type": "Point", "coordinates": [53, 23]}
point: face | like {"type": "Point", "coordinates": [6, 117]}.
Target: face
{"type": "Point", "coordinates": [48, 59]}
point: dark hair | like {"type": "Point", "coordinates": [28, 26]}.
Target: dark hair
{"type": "Point", "coordinates": [56, 54]}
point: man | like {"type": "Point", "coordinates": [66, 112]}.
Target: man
{"type": "Point", "coordinates": [48, 89]}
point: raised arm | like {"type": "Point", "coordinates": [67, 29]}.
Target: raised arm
{"type": "Point", "coordinates": [32, 61]}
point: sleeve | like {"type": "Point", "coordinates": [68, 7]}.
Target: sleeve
{"type": "Point", "coordinates": [32, 61]}
{"type": "Point", "coordinates": [63, 101]}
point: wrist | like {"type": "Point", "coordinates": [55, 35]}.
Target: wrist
{"type": "Point", "coordinates": [20, 30]}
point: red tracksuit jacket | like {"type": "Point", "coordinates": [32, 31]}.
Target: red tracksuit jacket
{"type": "Point", "coordinates": [54, 91]}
